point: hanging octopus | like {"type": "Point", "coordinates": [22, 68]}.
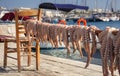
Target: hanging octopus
{"type": "Point", "coordinates": [107, 51]}
{"type": "Point", "coordinates": [117, 51]}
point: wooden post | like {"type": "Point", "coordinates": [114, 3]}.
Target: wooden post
{"type": "Point", "coordinates": [37, 54]}
{"type": "Point", "coordinates": [40, 14]}
{"type": "Point", "coordinates": [37, 42]}
{"type": "Point", "coordinates": [5, 53]}
{"type": "Point", "coordinates": [18, 41]}
{"type": "Point", "coordinates": [29, 53]}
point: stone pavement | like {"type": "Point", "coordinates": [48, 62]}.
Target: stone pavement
{"type": "Point", "coordinates": [49, 66]}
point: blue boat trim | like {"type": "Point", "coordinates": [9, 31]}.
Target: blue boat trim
{"type": "Point", "coordinates": [62, 7]}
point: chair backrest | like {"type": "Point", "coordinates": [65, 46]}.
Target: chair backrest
{"type": "Point", "coordinates": [20, 30]}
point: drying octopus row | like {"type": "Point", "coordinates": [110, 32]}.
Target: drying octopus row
{"type": "Point", "coordinates": [58, 33]}
{"type": "Point", "coordinates": [110, 50]}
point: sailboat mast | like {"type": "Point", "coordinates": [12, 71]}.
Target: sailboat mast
{"type": "Point", "coordinates": [95, 4]}
{"type": "Point", "coordinates": [77, 2]}
{"type": "Point", "coordinates": [113, 5]}
{"type": "Point", "coordinates": [85, 2]}
{"type": "Point", "coordinates": [106, 6]}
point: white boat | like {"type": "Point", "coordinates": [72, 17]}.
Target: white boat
{"type": "Point", "coordinates": [114, 18]}
{"type": "Point", "coordinates": [104, 19]}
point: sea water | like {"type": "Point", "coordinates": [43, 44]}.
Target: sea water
{"type": "Point", "coordinates": [62, 53]}
{"type": "Point", "coordinates": [103, 25]}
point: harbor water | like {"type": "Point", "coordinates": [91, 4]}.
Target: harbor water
{"type": "Point", "coordinates": [62, 53]}
{"type": "Point", "coordinates": [103, 25]}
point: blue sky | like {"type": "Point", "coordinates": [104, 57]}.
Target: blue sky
{"type": "Point", "coordinates": [34, 3]}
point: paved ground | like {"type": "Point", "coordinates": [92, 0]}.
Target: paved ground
{"type": "Point", "coordinates": [50, 66]}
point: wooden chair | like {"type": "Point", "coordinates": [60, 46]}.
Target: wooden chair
{"type": "Point", "coordinates": [22, 42]}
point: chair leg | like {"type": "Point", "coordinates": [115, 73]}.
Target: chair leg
{"type": "Point", "coordinates": [5, 53]}
{"type": "Point", "coordinates": [29, 55]}
{"type": "Point", "coordinates": [37, 55]}
{"type": "Point", "coordinates": [18, 59]}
